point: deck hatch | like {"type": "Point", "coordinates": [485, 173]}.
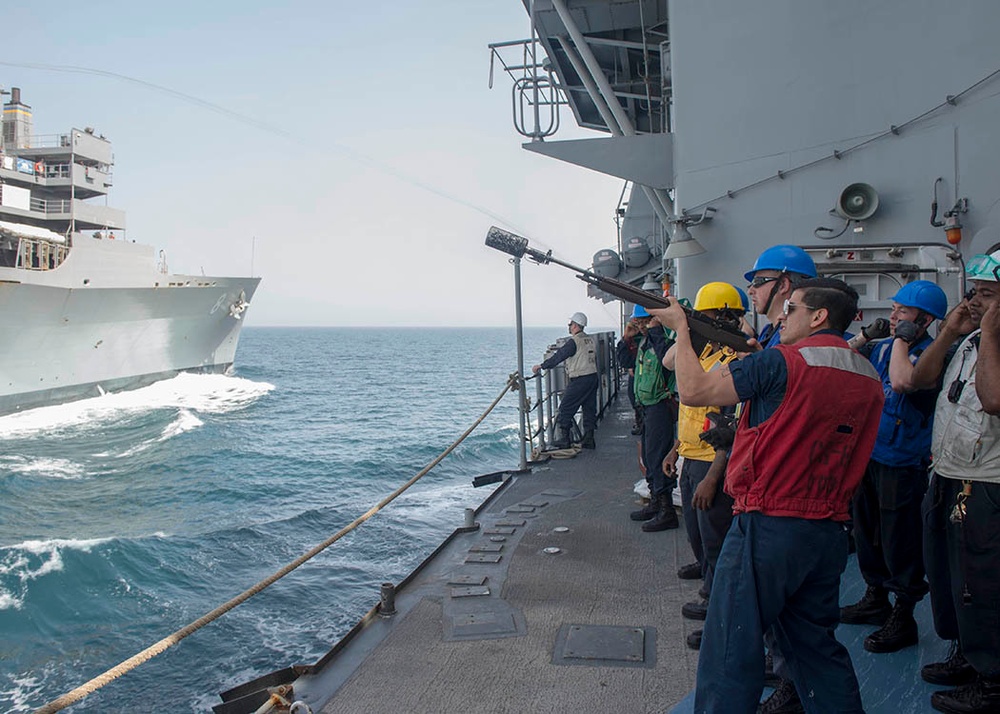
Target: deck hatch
{"type": "Point", "coordinates": [498, 531]}
{"type": "Point", "coordinates": [480, 625]}
{"type": "Point", "coordinates": [486, 548]}
{"type": "Point", "coordinates": [483, 558]}
{"type": "Point", "coordinates": [604, 646]}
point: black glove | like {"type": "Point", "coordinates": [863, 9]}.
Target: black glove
{"type": "Point", "coordinates": [906, 331]}
{"type": "Point", "coordinates": [877, 330]}
{"type": "Point", "coordinates": [723, 432]}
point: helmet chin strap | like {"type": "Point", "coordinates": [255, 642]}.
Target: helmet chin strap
{"type": "Point", "coordinates": [774, 289]}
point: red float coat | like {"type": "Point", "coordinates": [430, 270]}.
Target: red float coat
{"type": "Point", "coordinates": [807, 459]}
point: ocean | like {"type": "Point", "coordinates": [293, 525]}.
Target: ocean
{"type": "Point", "coordinates": [127, 516]}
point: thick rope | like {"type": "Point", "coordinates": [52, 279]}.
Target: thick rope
{"type": "Point", "coordinates": [172, 639]}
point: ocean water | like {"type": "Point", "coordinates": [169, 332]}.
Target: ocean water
{"type": "Point", "coordinates": [125, 517]}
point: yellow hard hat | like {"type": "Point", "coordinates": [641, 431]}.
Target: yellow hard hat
{"type": "Point", "coordinates": [716, 296]}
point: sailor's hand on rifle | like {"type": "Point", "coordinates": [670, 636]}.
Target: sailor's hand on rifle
{"type": "Point", "coordinates": [754, 345]}
{"type": "Point", "coordinates": [672, 317]}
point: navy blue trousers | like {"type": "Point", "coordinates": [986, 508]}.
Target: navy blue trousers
{"type": "Point", "coordinates": [705, 529]}
{"type": "Point", "coordinates": [784, 574]}
{"type": "Point", "coordinates": [581, 392]}
{"type": "Point", "coordinates": [888, 529]}
{"type": "Point", "coordinates": [659, 423]}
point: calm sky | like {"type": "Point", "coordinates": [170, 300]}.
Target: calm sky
{"type": "Point", "coordinates": [353, 141]}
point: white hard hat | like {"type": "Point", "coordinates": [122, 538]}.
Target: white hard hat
{"type": "Point", "coordinates": [579, 318]}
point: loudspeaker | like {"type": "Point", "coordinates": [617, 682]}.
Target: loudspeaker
{"type": "Point", "coordinates": [857, 202]}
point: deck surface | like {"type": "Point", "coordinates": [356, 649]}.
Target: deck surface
{"type": "Point", "coordinates": [594, 628]}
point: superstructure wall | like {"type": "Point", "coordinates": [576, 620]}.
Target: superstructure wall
{"type": "Point", "coordinates": [767, 87]}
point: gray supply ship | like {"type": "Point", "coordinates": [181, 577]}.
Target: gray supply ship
{"type": "Point", "coordinates": [84, 310]}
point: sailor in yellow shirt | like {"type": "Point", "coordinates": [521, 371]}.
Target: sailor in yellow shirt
{"type": "Point", "coordinates": [708, 511]}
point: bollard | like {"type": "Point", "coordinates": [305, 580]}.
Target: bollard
{"type": "Point", "coordinates": [387, 606]}
{"type": "Point", "coordinates": [470, 518]}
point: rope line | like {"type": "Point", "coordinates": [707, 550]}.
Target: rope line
{"type": "Point", "coordinates": [172, 639]}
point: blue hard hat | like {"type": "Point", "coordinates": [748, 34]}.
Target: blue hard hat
{"type": "Point", "coordinates": [744, 299]}
{"type": "Point", "coordinates": [639, 311]}
{"type": "Point", "coordinates": [923, 295]}
{"type": "Point", "coordinates": [787, 259]}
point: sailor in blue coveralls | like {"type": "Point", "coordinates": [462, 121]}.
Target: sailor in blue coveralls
{"type": "Point", "coordinates": [888, 528]}
{"type": "Point", "coordinates": [799, 454]}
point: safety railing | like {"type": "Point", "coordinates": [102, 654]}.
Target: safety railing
{"type": "Point", "coordinates": [536, 94]}
{"type": "Point", "coordinates": [538, 415]}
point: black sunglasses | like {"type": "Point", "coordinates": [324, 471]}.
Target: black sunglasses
{"type": "Point", "coordinates": [762, 281]}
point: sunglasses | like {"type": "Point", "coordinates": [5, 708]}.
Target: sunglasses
{"type": "Point", "coordinates": [762, 281]}
{"type": "Point", "coordinates": [789, 306]}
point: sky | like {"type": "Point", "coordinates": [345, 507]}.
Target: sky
{"type": "Point", "coordinates": [352, 155]}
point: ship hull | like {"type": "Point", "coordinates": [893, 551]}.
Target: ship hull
{"type": "Point", "coordinates": [62, 343]}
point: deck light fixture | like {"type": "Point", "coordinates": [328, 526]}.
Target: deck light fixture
{"type": "Point", "coordinates": [651, 283]}
{"type": "Point", "coordinates": [682, 243]}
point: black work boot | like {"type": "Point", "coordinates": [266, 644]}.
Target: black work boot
{"type": "Point", "coordinates": [784, 700]}
{"type": "Point", "coordinates": [953, 672]}
{"type": "Point", "coordinates": [691, 571]}
{"type": "Point", "coordinates": [646, 512]}
{"type": "Point", "coordinates": [694, 639]}
{"type": "Point", "coordinates": [666, 516]}
{"type": "Point", "coordinates": [588, 439]}
{"type": "Point", "coordinates": [872, 609]}
{"type": "Point", "coordinates": [562, 440]}
{"type": "Point", "coordinates": [899, 631]}
{"type": "Point", "coordinates": [980, 697]}
{"type": "Point", "coordinates": [697, 610]}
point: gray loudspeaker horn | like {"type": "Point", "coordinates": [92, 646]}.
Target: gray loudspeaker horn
{"type": "Point", "coordinates": [857, 202]}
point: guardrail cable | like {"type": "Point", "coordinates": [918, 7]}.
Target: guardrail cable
{"type": "Point", "coordinates": [172, 639]}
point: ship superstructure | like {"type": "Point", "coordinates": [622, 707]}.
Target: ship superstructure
{"type": "Point", "coordinates": [738, 126]}
{"type": "Point", "coordinates": [82, 308]}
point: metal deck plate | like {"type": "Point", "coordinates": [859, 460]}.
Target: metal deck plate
{"type": "Point", "coordinates": [561, 492]}
{"type": "Point", "coordinates": [486, 548]}
{"type": "Point", "coordinates": [480, 625]}
{"type": "Point", "coordinates": [483, 558]}
{"type": "Point", "coordinates": [535, 503]}
{"type": "Point", "coordinates": [498, 531]}
{"type": "Point", "coordinates": [519, 509]}
{"type": "Point", "coordinates": [475, 591]}
{"type": "Point", "coordinates": [466, 579]}
{"type": "Point", "coordinates": [510, 523]}
{"type": "Point", "coordinates": [605, 646]}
